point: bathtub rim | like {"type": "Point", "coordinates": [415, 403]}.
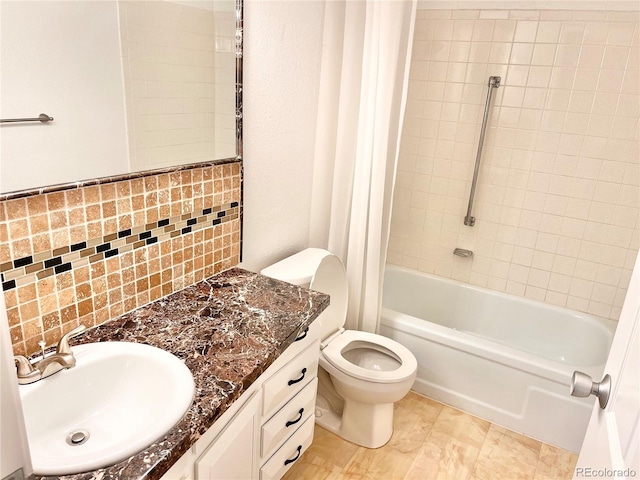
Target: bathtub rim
{"type": "Point", "coordinates": [606, 325]}
{"type": "Point", "coordinates": [481, 347]}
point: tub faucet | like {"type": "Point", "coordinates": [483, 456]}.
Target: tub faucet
{"type": "Point", "coordinates": [62, 359]}
{"type": "Point", "coordinates": [461, 252]}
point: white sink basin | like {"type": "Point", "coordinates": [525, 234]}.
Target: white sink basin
{"type": "Point", "coordinates": [120, 396]}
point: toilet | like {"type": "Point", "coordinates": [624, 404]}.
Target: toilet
{"type": "Point", "coordinates": [361, 374]}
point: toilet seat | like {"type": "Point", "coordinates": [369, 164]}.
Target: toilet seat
{"type": "Point", "coordinates": [333, 354]}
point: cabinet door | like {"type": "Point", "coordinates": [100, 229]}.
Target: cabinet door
{"type": "Point", "coordinates": [182, 469]}
{"type": "Point", "coordinates": [234, 452]}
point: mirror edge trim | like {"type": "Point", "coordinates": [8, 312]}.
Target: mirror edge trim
{"type": "Point", "coordinates": [114, 178]}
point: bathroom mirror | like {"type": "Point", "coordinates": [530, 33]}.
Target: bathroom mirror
{"type": "Point", "coordinates": [130, 85]}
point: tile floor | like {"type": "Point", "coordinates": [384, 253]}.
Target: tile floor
{"type": "Point", "coordinates": [435, 441]}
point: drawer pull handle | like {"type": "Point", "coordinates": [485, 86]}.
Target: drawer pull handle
{"type": "Point", "coordinates": [302, 335]}
{"type": "Point", "coordinates": [293, 422]}
{"type": "Point", "coordinates": [291, 460]}
{"type": "Point", "coordinates": [291, 382]}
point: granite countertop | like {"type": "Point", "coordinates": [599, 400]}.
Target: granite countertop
{"type": "Point", "coordinates": [227, 329]}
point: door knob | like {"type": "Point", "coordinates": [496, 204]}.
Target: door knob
{"type": "Point", "coordinates": [582, 386]}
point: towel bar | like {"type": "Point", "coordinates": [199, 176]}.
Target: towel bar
{"type": "Point", "coordinates": [43, 117]}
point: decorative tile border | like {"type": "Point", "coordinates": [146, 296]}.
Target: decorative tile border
{"type": "Point", "coordinates": [26, 270]}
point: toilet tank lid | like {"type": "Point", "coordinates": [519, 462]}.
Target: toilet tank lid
{"type": "Point", "coordinates": [299, 268]}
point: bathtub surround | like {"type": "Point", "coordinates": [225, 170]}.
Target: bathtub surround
{"type": "Point", "coordinates": [557, 199]}
{"type": "Point", "coordinates": [357, 142]}
{"type": "Point", "coordinates": [90, 254]}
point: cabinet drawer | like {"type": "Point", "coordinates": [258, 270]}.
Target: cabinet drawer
{"type": "Point", "coordinates": [289, 453]}
{"type": "Point", "coordinates": [288, 419]}
{"type": "Point", "coordinates": [290, 379]}
{"type": "Point", "coordinates": [302, 341]}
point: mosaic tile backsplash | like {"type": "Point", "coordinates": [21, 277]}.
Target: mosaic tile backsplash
{"type": "Point", "coordinates": [90, 254]}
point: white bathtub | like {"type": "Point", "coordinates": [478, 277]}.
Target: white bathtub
{"type": "Point", "coordinates": [503, 358]}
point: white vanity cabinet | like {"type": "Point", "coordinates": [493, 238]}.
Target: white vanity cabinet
{"type": "Point", "coordinates": [266, 430]}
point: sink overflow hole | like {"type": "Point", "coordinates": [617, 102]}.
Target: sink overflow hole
{"type": "Point", "coordinates": [77, 438]}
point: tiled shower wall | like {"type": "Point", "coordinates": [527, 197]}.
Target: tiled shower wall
{"type": "Point", "coordinates": [87, 255]}
{"type": "Point", "coordinates": [179, 76]}
{"type": "Point", "coordinates": [557, 201]}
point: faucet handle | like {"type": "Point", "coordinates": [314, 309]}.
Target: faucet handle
{"type": "Point", "coordinates": [24, 366]}
{"type": "Point", "coordinates": [63, 344]}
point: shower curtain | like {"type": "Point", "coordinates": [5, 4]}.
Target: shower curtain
{"type": "Point", "coordinates": [364, 76]}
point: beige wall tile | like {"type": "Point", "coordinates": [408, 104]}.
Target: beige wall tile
{"type": "Point", "coordinates": [561, 150]}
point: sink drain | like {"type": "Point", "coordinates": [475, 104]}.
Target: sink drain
{"type": "Point", "coordinates": [77, 438]}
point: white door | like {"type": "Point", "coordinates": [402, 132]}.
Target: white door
{"type": "Point", "coordinates": [612, 442]}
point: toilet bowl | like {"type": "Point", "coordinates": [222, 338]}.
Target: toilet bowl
{"type": "Point", "coordinates": [361, 374]}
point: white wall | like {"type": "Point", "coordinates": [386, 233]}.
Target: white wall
{"type": "Point", "coordinates": [282, 57]}
{"type": "Point", "coordinates": [46, 69]}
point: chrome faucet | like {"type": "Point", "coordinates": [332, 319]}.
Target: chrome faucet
{"type": "Point", "coordinates": [62, 359]}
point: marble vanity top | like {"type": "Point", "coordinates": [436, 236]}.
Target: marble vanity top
{"type": "Point", "coordinates": [228, 329]}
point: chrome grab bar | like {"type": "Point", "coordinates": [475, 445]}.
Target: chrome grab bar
{"type": "Point", "coordinates": [43, 117]}
{"type": "Point", "coordinates": [494, 82]}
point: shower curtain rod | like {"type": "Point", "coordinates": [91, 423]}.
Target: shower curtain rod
{"type": "Point", "coordinates": [494, 82]}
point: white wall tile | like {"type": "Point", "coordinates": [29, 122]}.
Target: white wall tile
{"type": "Point", "coordinates": [557, 200]}
{"type": "Point", "coordinates": [179, 61]}
{"type": "Point", "coordinates": [548, 32]}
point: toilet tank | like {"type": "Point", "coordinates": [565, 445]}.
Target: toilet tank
{"type": "Point", "coordinates": [318, 270]}
{"type": "Point", "coordinates": [298, 269]}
